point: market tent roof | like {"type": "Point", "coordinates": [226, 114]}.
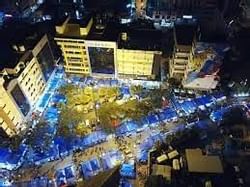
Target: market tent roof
{"type": "Point", "coordinates": [94, 138]}
{"type": "Point", "coordinates": [126, 126]}
{"type": "Point", "coordinates": [69, 172]}
{"type": "Point", "coordinates": [152, 119]}
{"type": "Point", "coordinates": [127, 170]}
{"type": "Point", "coordinates": [41, 181]}
{"type": "Point", "coordinates": [199, 163]}
{"type": "Point", "coordinates": [111, 159]}
{"type": "Point", "coordinates": [91, 168]}
{"type": "Point", "coordinates": [49, 154]}
{"type": "Point", "coordinates": [125, 90]}
{"type": "Point", "coordinates": [4, 154]}
{"type": "Point", "coordinates": [11, 157]}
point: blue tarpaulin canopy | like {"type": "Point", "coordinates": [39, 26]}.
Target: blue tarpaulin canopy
{"type": "Point", "coordinates": [217, 115]}
{"type": "Point", "coordinates": [110, 159]}
{"type": "Point", "coordinates": [94, 138]}
{"type": "Point", "coordinates": [114, 82]}
{"type": "Point", "coordinates": [69, 172]}
{"type": "Point", "coordinates": [128, 170]}
{"type": "Point", "coordinates": [152, 119]}
{"type": "Point", "coordinates": [125, 90]}
{"type": "Point", "coordinates": [45, 100]}
{"type": "Point", "coordinates": [50, 154]}
{"type": "Point", "coordinates": [11, 157]}
{"type": "Point", "coordinates": [51, 114]}
{"type": "Point", "coordinates": [89, 80]}
{"type": "Point", "coordinates": [58, 98]}
{"type": "Point", "coordinates": [125, 127]}
{"type": "Point", "coordinates": [91, 168]}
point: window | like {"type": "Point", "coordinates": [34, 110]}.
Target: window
{"type": "Point", "coordinates": [75, 64]}
{"type": "Point", "coordinates": [4, 106]}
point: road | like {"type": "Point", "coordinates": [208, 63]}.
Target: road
{"type": "Point", "coordinates": [132, 143]}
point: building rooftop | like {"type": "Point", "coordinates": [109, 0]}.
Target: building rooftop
{"type": "Point", "coordinates": [141, 39]}
{"type": "Point", "coordinates": [106, 32]}
{"type": "Point", "coordinates": [199, 163]}
{"type": "Point", "coordinates": [83, 22]}
{"type": "Point", "coordinates": [185, 32]}
{"type": "Point", "coordinates": [73, 26]}
{"type": "Point", "coordinates": [15, 39]}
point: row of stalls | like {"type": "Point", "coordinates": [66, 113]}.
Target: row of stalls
{"type": "Point", "coordinates": [92, 81]}
{"type": "Point", "coordinates": [189, 106]}
{"type": "Point", "coordinates": [11, 160]}
{"type": "Point", "coordinates": [105, 162]}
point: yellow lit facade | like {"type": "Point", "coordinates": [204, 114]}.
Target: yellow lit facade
{"type": "Point", "coordinates": [21, 87]}
{"type": "Point", "coordinates": [181, 61]}
{"type": "Point", "coordinates": [135, 63]}
{"type": "Point", "coordinates": [128, 63]}
{"type": "Point", "coordinates": [75, 56]}
{"type": "Point", "coordinates": [71, 42]}
{"type": "Point", "coordinates": [11, 117]}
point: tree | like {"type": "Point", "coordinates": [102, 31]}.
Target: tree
{"type": "Point", "coordinates": [67, 89]}
{"type": "Point", "coordinates": [69, 120]}
{"type": "Point", "coordinates": [173, 82]}
{"type": "Point", "coordinates": [136, 89]}
{"type": "Point", "coordinates": [39, 139]}
{"type": "Point", "coordinates": [234, 116]}
{"type": "Point", "coordinates": [15, 142]}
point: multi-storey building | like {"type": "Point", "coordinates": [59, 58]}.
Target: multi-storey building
{"type": "Point", "coordinates": [70, 38]}
{"type": "Point", "coordinates": [185, 39]}
{"type": "Point", "coordinates": [22, 80]}
{"type": "Point", "coordinates": [107, 50]}
{"type": "Point", "coordinates": [139, 54]}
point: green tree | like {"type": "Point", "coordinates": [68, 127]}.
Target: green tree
{"type": "Point", "coordinates": [67, 89]}
{"type": "Point", "coordinates": [173, 82]}
{"type": "Point", "coordinates": [15, 142]}
{"type": "Point", "coordinates": [136, 89]}
{"type": "Point", "coordinates": [69, 118]}
{"type": "Point", "coordinates": [44, 141]}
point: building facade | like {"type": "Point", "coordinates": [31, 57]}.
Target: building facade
{"type": "Point", "coordinates": [137, 64]}
{"type": "Point", "coordinates": [89, 53]}
{"type": "Point", "coordinates": [185, 41]}
{"type": "Point", "coordinates": [73, 47]}
{"type": "Point", "coordinates": [22, 85]}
